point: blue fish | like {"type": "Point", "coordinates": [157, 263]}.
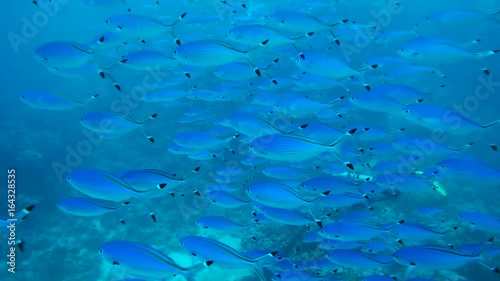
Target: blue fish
{"type": "Point", "coordinates": [143, 261]}
{"type": "Point", "coordinates": [218, 252]}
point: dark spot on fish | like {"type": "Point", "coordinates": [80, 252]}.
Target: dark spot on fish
{"type": "Point", "coordinates": [487, 71]}
{"type": "Point", "coordinates": [143, 41]}
{"type": "Point", "coordinates": [494, 147]}
{"type": "Point", "coordinates": [257, 71]}
{"type": "Point", "coordinates": [101, 73]}
{"type": "Point", "coordinates": [101, 39]}
{"type": "Point", "coordinates": [196, 169]}
{"type": "Point", "coordinates": [115, 263]}
{"type": "Point", "coordinates": [350, 166]}
{"type": "Point", "coordinates": [178, 41]}
{"type": "Point", "coordinates": [274, 82]}
{"type": "Point", "coordinates": [244, 5]}
{"type": "Point", "coordinates": [117, 87]}
{"type": "Point", "coordinates": [162, 185]}
{"type": "Point", "coordinates": [413, 264]}
{"type": "Point", "coordinates": [153, 217]}
{"type": "Point", "coordinates": [119, 27]}
{"type": "Point", "coordinates": [151, 139]}
{"type": "Point", "coordinates": [302, 56]}
{"type": "Point", "coordinates": [187, 75]}
{"type": "Point", "coordinates": [209, 263]}
{"type": "Point", "coordinates": [124, 60]}
{"type": "Point", "coordinates": [34, 2]}
{"type": "Point", "coordinates": [183, 15]}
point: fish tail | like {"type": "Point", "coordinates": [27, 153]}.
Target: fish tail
{"type": "Point", "coordinates": [88, 99]}
{"type": "Point", "coordinates": [481, 253]}
{"type": "Point", "coordinates": [23, 214]}
{"type": "Point", "coordinates": [481, 55]}
{"type": "Point", "coordinates": [150, 137]}
{"type": "Point", "coordinates": [260, 263]}
{"type": "Point", "coordinates": [195, 170]}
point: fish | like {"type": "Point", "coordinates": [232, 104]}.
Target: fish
{"type": "Point", "coordinates": [218, 252]}
{"type": "Point", "coordinates": [146, 180]}
{"type": "Point", "coordinates": [338, 201]}
{"type": "Point", "coordinates": [300, 23]}
{"type": "Point", "coordinates": [139, 26]}
{"type": "Point", "coordinates": [63, 54]}
{"type": "Point", "coordinates": [143, 261]}
{"type": "Point", "coordinates": [322, 184]}
{"type": "Point", "coordinates": [86, 207]}
{"type": "Point", "coordinates": [226, 200]}
{"type": "Point", "coordinates": [252, 35]}
{"type": "Point", "coordinates": [219, 223]}
{"type": "Point", "coordinates": [459, 17]}
{"type": "Point", "coordinates": [209, 53]}
{"type": "Point", "coordinates": [437, 52]}
{"type": "Point", "coordinates": [278, 195]}
{"type": "Point", "coordinates": [112, 124]}
{"type": "Point", "coordinates": [430, 258]}
{"type": "Point", "coordinates": [482, 221]}
{"type": "Point", "coordinates": [144, 60]}
{"type": "Point", "coordinates": [355, 231]}
{"type": "Point", "coordinates": [289, 217]}
{"type": "Point", "coordinates": [433, 116]}
{"type": "Point", "coordinates": [201, 140]}
{"type": "Point", "coordinates": [284, 147]}
{"type": "Point", "coordinates": [325, 65]}
{"type": "Point", "coordinates": [418, 232]}
{"type": "Point", "coordinates": [356, 259]}
{"type": "Point", "coordinates": [102, 185]}
{"type": "Point", "coordinates": [48, 101]}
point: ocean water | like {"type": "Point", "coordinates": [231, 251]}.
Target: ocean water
{"type": "Point", "coordinates": [44, 146]}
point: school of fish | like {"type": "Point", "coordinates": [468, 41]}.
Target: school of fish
{"type": "Point", "coordinates": [321, 120]}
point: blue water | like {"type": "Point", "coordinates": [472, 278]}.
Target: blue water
{"type": "Point", "coordinates": [43, 145]}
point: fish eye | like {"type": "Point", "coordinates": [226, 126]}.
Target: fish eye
{"type": "Point", "coordinates": [407, 111]}
{"type": "Point", "coordinates": [251, 146]}
{"type": "Point", "coordinates": [68, 178]}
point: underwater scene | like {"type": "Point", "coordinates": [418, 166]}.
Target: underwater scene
{"type": "Point", "coordinates": [250, 140]}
